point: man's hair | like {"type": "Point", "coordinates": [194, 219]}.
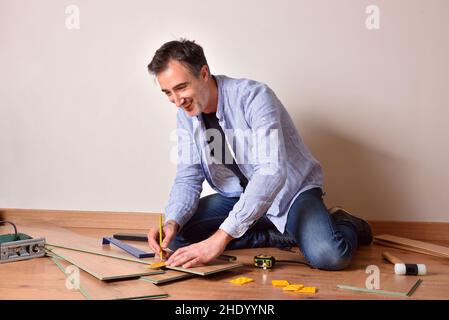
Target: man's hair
{"type": "Point", "coordinates": [187, 52]}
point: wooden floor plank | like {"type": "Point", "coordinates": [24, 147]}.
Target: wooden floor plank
{"type": "Point", "coordinates": [34, 279]}
{"type": "Point", "coordinates": [211, 268]}
{"type": "Point", "coordinates": [390, 282]}
{"type": "Point", "coordinates": [114, 290]}
{"type": "Point", "coordinates": [407, 248]}
{"type": "Point", "coordinates": [167, 276]}
{"type": "Point", "coordinates": [61, 237]}
{"type": "Point", "coordinates": [101, 267]}
{"type": "Point", "coordinates": [421, 245]}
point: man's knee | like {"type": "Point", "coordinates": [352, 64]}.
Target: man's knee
{"type": "Point", "coordinates": [327, 257]}
{"type": "Point", "coordinates": [179, 241]}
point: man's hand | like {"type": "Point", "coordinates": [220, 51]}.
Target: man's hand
{"type": "Point", "coordinates": [201, 252]}
{"type": "Point", "coordinates": [169, 231]}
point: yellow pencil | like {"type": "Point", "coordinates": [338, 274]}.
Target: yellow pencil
{"type": "Point", "coordinates": [160, 236]}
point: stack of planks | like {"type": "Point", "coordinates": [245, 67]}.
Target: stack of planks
{"type": "Point", "coordinates": [412, 245]}
{"type": "Point", "coordinates": [107, 272]}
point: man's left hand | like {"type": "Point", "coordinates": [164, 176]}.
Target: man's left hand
{"type": "Point", "coordinates": [200, 253]}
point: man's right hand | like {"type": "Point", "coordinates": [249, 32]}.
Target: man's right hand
{"type": "Point", "coordinates": [169, 230]}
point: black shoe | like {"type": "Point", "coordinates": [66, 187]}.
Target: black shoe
{"type": "Point", "coordinates": [279, 240]}
{"type": "Point", "coordinates": [364, 233]}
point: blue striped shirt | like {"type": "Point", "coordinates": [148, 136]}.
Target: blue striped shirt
{"type": "Point", "coordinates": [267, 147]}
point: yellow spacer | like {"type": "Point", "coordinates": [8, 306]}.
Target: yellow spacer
{"type": "Point", "coordinates": [241, 280]}
{"type": "Point", "coordinates": [307, 290]}
{"type": "Point", "coordinates": [293, 287]}
{"type": "Point", "coordinates": [156, 265]}
{"type": "Point", "coordinates": [280, 283]}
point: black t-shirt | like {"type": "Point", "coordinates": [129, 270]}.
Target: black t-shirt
{"type": "Point", "coordinates": [211, 122]}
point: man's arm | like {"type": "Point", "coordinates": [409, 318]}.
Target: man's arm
{"type": "Point", "coordinates": [188, 184]}
{"type": "Point", "coordinates": [186, 190]}
{"type": "Point", "coordinates": [263, 115]}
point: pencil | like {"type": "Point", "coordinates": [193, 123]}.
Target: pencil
{"type": "Point", "coordinates": [160, 236]}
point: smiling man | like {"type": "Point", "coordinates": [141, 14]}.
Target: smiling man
{"type": "Point", "coordinates": [226, 127]}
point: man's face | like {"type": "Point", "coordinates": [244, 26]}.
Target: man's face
{"type": "Point", "coordinates": [184, 89]}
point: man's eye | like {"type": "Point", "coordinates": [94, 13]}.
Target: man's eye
{"type": "Point", "coordinates": [180, 88]}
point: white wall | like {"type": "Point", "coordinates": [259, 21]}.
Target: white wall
{"type": "Point", "coordinates": [84, 127]}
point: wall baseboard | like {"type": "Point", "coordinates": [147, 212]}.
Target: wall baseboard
{"type": "Point", "coordinates": [418, 230]}
{"type": "Point", "coordinates": [83, 219]}
{"type": "Point", "coordinates": [426, 231]}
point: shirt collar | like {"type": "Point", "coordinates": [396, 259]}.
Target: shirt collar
{"type": "Point", "coordinates": [219, 81]}
{"type": "Point", "coordinates": [219, 112]}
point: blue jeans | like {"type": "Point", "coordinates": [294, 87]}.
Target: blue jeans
{"type": "Point", "coordinates": [325, 244]}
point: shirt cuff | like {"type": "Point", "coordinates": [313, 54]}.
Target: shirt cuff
{"type": "Point", "coordinates": [234, 228]}
{"type": "Point", "coordinates": [177, 214]}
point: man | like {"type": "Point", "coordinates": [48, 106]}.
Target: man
{"type": "Point", "coordinates": [261, 200]}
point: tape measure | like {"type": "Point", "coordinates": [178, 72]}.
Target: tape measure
{"type": "Point", "coordinates": [264, 261]}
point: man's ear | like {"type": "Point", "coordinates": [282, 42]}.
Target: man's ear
{"type": "Point", "coordinates": [204, 72]}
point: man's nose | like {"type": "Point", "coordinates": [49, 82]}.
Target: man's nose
{"type": "Point", "coordinates": [178, 101]}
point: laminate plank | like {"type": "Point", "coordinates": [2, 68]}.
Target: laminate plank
{"type": "Point", "coordinates": [102, 267]}
{"type": "Point", "coordinates": [167, 276]}
{"type": "Point", "coordinates": [212, 267]}
{"type": "Point", "coordinates": [406, 248]}
{"type": "Point", "coordinates": [398, 285]}
{"type": "Point", "coordinates": [95, 289]}
{"type": "Point", "coordinates": [430, 247]}
{"type": "Point", "coordinates": [63, 238]}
